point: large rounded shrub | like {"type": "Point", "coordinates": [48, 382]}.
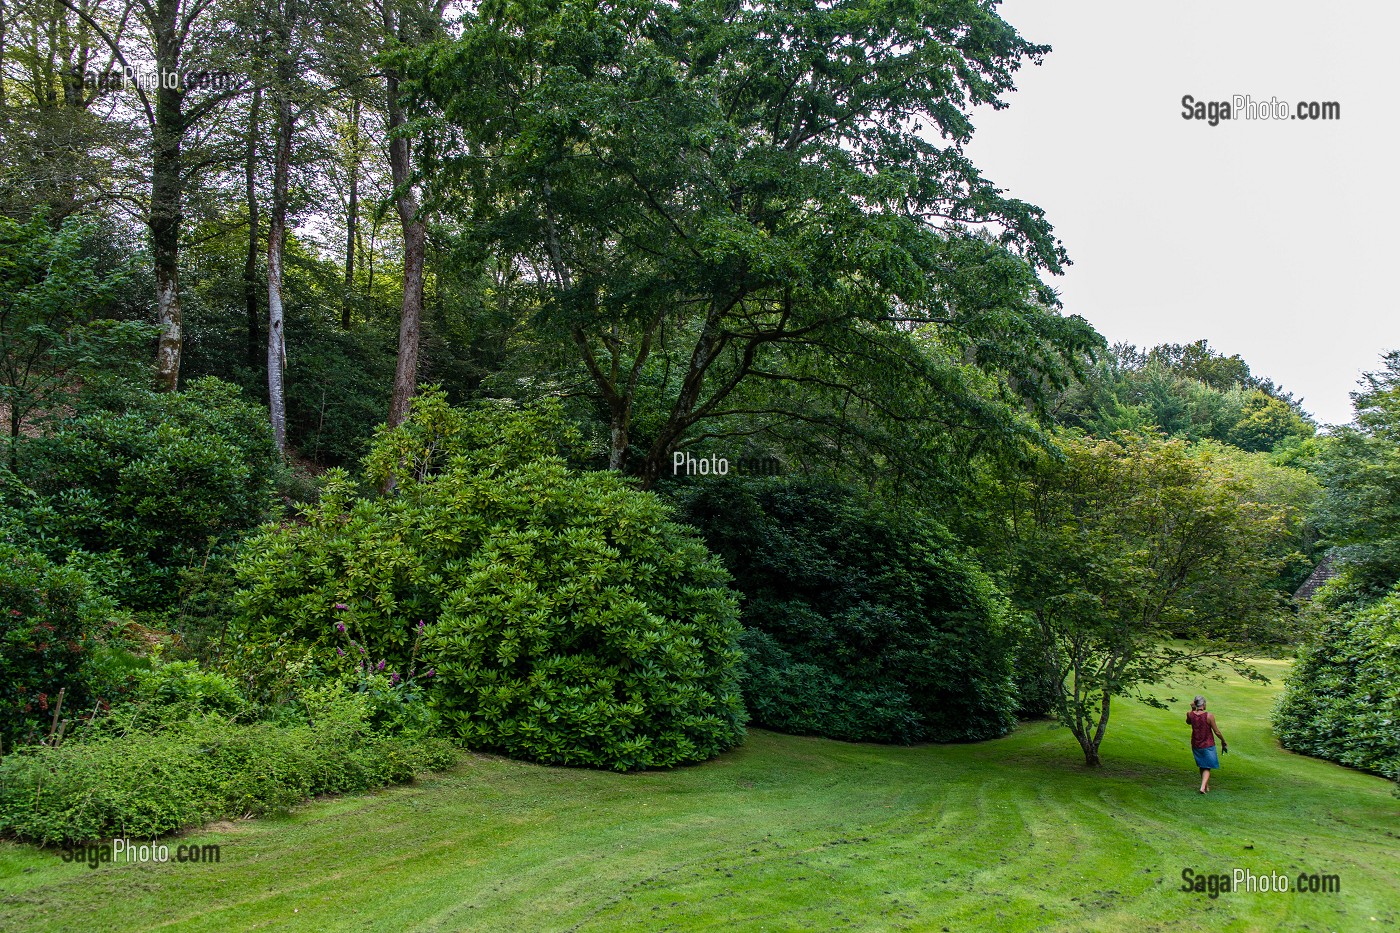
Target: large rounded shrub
{"type": "Point", "coordinates": [567, 618]}
{"type": "Point", "coordinates": [1342, 700]}
{"type": "Point", "coordinates": [859, 624]}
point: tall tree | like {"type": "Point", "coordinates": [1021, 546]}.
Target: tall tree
{"type": "Point", "coordinates": [55, 72]}
{"type": "Point", "coordinates": [407, 24]}
{"type": "Point", "coordinates": [285, 122]}
{"type": "Point", "coordinates": [1360, 467]}
{"type": "Point", "coordinates": [251, 283]}
{"type": "Point", "coordinates": [174, 38]}
{"type": "Point", "coordinates": [718, 198]}
{"type": "Point", "coordinates": [352, 211]}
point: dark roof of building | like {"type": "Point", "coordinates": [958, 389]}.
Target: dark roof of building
{"type": "Point", "coordinates": [1326, 569]}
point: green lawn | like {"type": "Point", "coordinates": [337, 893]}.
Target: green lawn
{"type": "Point", "coordinates": [791, 834]}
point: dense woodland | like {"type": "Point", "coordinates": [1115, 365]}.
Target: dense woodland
{"type": "Point", "coordinates": [346, 352]}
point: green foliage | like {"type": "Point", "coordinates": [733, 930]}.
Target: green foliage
{"type": "Point", "coordinates": [1266, 422]}
{"type": "Point", "coordinates": [198, 605]}
{"type": "Point", "coordinates": [48, 616]}
{"type": "Point", "coordinates": [1268, 478]}
{"type": "Point", "coordinates": [717, 245]}
{"type": "Point", "coordinates": [183, 690]}
{"type": "Point", "coordinates": [1035, 665]}
{"type": "Point", "coordinates": [568, 618]}
{"type": "Point", "coordinates": [1200, 362]}
{"type": "Point", "coordinates": [1343, 696]}
{"type": "Point", "coordinates": [53, 290]}
{"type": "Point", "coordinates": [159, 478]}
{"type": "Point", "coordinates": [112, 670]}
{"type": "Point", "coordinates": [1360, 468]}
{"type": "Point", "coordinates": [336, 378]}
{"type": "Point", "coordinates": [146, 784]}
{"type": "Point", "coordinates": [1190, 392]}
{"type": "Point", "coordinates": [860, 624]}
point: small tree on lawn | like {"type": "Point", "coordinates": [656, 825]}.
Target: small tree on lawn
{"type": "Point", "coordinates": [1139, 558]}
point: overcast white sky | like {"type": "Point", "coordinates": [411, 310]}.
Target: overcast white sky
{"type": "Point", "coordinates": [1274, 240]}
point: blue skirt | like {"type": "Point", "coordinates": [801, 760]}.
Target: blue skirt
{"type": "Point", "coordinates": [1206, 757]}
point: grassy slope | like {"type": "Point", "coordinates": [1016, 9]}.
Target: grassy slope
{"type": "Point", "coordinates": [790, 834]}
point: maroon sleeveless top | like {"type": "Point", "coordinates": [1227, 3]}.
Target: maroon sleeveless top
{"type": "Point", "coordinates": [1201, 735]}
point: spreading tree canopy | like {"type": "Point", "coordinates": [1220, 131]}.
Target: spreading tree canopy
{"type": "Point", "coordinates": [746, 217]}
{"type": "Point", "coordinates": [1123, 546]}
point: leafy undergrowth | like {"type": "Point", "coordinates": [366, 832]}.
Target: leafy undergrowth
{"type": "Point", "coordinates": [791, 833]}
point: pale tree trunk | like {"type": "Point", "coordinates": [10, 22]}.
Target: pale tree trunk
{"type": "Point", "coordinates": [250, 262]}
{"type": "Point", "coordinates": [352, 216]}
{"type": "Point", "coordinates": [276, 239]}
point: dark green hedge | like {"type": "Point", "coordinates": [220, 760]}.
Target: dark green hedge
{"type": "Point", "coordinates": [861, 624]}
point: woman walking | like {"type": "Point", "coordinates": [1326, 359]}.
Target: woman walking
{"type": "Point", "coordinates": [1203, 733]}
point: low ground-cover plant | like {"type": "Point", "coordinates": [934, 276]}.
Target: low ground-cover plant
{"type": "Point", "coordinates": [859, 624]}
{"type": "Point", "coordinates": [1342, 700]}
{"type": "Point", "coordinates": [184, 773]}
{"type": "Point", "coordinates": [569, 620]}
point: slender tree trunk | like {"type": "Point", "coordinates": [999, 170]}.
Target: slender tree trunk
{"type": "Point", "coordinates": [14, 420]}
{"type": "Point", "coordinates": [250, 262]}
{"type": "Point", "coordinates": [352, 216]}
{"type": "Point", "coordinates": [621, 418]}
{"type": "Point", "coordinates": [276, 239]}
{"type": "Point", "coordinates": [164, 222]}
{"type": "Point", "coordinates": [1088, 741]}
{"type": "Point", "coordinates": [414, 248]}
{"type": "Point", "coordinates": [4, 19]}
